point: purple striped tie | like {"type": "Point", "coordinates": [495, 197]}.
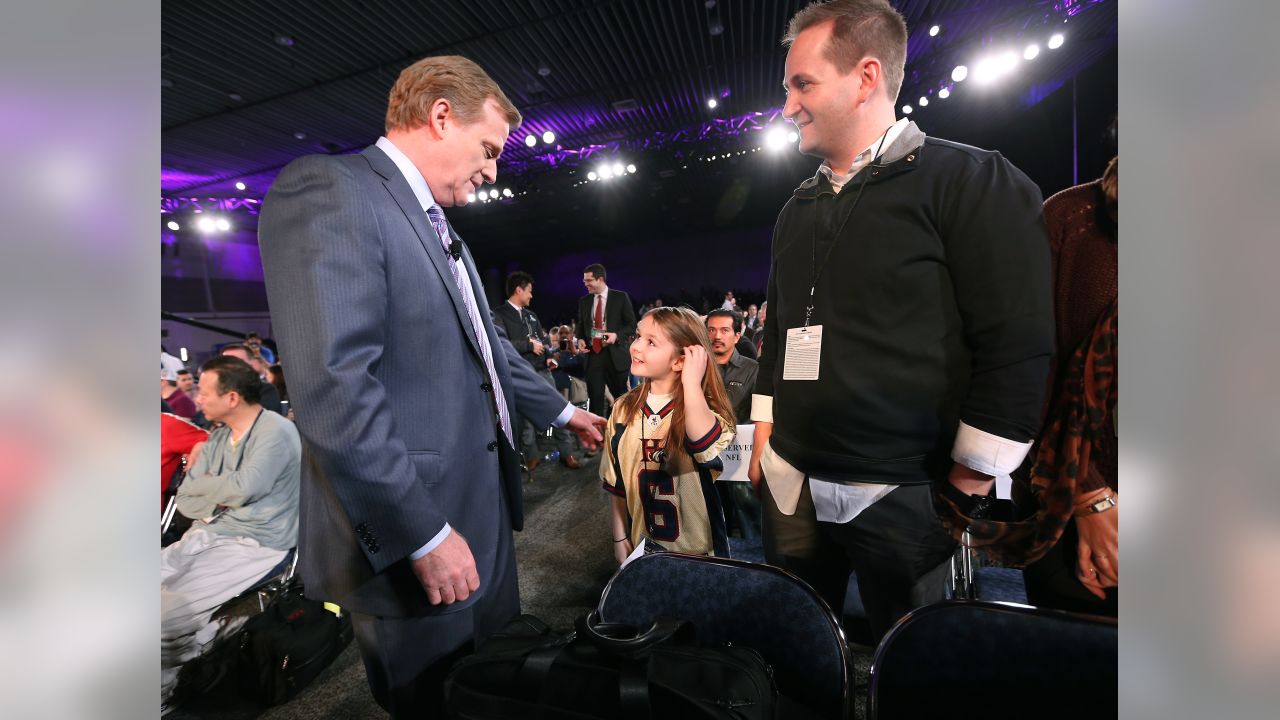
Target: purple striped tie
{"type": "Point", "coordinates": [477, 327]}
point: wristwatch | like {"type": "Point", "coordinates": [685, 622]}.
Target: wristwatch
{"type": "Point", "coordinates": [1101, 505]}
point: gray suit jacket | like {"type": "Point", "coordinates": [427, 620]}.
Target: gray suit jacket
{"type": "Point", "coordinates": [391, 397]}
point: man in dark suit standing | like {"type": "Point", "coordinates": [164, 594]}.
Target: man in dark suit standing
{"type": "Point", "coordinates": [606, 320]}
{"type": "Point", "coordinates": [405, 392]}
{"type": "Point", "coordinates": [525, 332]}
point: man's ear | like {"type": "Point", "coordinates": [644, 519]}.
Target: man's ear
{"type": "Point", "coordinates": [439, 116]}
{"type": "Point", "coordinates": [870, 76]}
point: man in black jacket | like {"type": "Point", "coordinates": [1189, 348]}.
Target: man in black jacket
{"type": "Point", "coordinates": [910, 325]}
{"type": "Point", "coordinates": [606, 321]}
{"type": "Point", "coordinates": [525, 332]}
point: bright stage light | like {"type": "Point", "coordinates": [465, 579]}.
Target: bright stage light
{"type": "Point", "coordinates": [530, 140]}
{"type": "Point", "coordinates": [592, 175]}
{"type": "Point", "coordinates": [605, 171]}
{"type": "Point", "coordinates": [174, 226]}
{"type": "Point", "coordinates": [618, 169]}
{"type": "Point", "coordinates": [1056, 41]}
{"type": "Point", "coordinates": [222, 224]}
{"type": "Point", "coordinates": [924, 101]}
{"type": "Point", "coordinates": [1031, 52]}
{"type": "Point", "coordinates": [775, 138]}
{"type": "Point", "coordinates": [712, 103]}
{"type": "Point", "coordinates": [548, 137]}
{"type": "Point", "coordinates": [960, 73]}
{"type": "Point", "coordinates": [205, 224]}
{"type": "Point", "coordinates": [985, 71]}
{"type": "Point", "coordinates": [1007, 61]}
{"type": "Point", "coordinates": [933, 31]}
{"type": "Point", "coordinates": [506, 192]}
{"type": "Point", "coordinates": [907, 109]}
{"type": "Point", "coordinates": [631, 168]}
{"type": "Point", "coordinates": [944, 93]}
{"type": "Point", "coordinates": [239, 186]}
{"type": "Point", "coordinates": [471, 197]}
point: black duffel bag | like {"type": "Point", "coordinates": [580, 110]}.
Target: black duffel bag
{"type": "Point", "coordinates": [612, 672]}
{"type": "Point", "coordinates": [283, 649]}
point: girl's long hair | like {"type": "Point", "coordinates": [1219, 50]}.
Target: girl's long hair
{"type": "Point", "coordinates": [682, 327]}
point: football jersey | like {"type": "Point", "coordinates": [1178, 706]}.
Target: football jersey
{"type": "Point", "coordinates": [670, 503]}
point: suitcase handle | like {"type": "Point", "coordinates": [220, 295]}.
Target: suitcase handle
{"type": "Point", "coordinates": [626, 640]}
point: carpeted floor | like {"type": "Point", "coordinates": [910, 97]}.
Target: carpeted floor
{"type": "Point", "coordinates": [565, 560]}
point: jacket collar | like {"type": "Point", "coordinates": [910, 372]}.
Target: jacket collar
{"type": "Point", "coordinates": [398, 186]}
{"type": "Point", "coordinates": [903, 153]}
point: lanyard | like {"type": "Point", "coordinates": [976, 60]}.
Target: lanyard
{"type": "Point", "coordinates": [815, 270]}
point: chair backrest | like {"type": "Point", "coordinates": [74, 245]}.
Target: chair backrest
{"type": "Point", "coordinates": [759, 606]}
{"type": "Point", "coordinates": [994, 660]}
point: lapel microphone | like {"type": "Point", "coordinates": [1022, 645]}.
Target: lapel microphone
{"type": "Point", "coordinates": [455, 248]}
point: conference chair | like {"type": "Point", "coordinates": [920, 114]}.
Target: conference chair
{"type": "Point", "coordinates": [990, 660]}
{"type": "Point", "coordinates": [758, 606]}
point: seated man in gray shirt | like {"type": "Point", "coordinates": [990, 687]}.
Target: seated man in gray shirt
{"type": "Point", "coordinates": [724, 327]}
{"type": "Point", "coordinates": [242, 493]}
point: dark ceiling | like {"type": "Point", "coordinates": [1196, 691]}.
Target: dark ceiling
{"type": "Point", "coordinates": [249, 86]}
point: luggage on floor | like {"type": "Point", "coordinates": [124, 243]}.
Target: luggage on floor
{"type": "Point", "coordinates": [608, 671]}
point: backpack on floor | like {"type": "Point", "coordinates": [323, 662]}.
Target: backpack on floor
{"type": "Point", "coordinates": [284, 648]}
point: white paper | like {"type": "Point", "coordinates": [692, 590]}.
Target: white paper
{"type": "Point", "coordinates": [635, 553]}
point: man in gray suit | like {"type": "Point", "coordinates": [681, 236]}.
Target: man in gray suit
{"type": "Point", "coordinates": [405, 393]}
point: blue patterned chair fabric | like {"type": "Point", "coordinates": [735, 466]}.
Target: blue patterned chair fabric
{"type": "Point", "coordinates": [994, 660]}
{"type": "Point", "coordinates": [758, 606]}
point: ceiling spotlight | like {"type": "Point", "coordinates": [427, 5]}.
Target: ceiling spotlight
{"type": "Point", "coordinates": [1031, 52]}
{"type": "Point", "coordinates": [544, 71]}
{"type": "Point", "coordinates": [631, 168]}
{"type": "Point", "coordinates": [985, 71]}
{"type": "Point", "coordinates": [530, 140]}
{"type": "Point", "coordinates": [592, 176]}
{"type": "Point", "coordinates": [239, 186]}
{"type": "Point", "coordinates": [548, 137]}
{"type": "Point", "coordinates": [605, 172]}
{"type": "Point", "coordinates": [1008, 60]}
{"type": "Point", "coordinates": [237, 97]}
{"type": "Point", "coordinates": [712, 103]}
{"type": "Point", "coordinates": [960, 73]}
{"type": "Point", "coordinates": [907, 109]}
{"type": "Point", "coordinates": [206, 224]}
{"type": "Point", "coordinates": [1055, 42]}
{"type": "Point", "coordinates": [775, 138]}
{"type": "Point", "coordinates": [944, 93]}
{"type": "Point", "coordinates": [933, 31]}
{"type": "Point", "coordinates": [618, 169]}
{"type": "Point", "coordinates": [299, 135]}
{"type": "Point", "coordinates": [222, 224]}
{"type": "Point", "coordinates": [174, 226]}
{"type": "Point", "coordinates": [284, 41]}
{"type": "Point", "coordinates": [924, 101]}
{"type": "Point", "coordinates": [506, 192]}
{"type": "Point", "coordinates": [793, 136]}
{"type": "Point", "coordinates": [471, 197]}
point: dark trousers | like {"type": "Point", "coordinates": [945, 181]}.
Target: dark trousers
{"type": "Point", "coordinates": [1052, 581]}
{"type": "Point", "coordinates": [897, 547]}
{"type": "Point", "coordinates": [601, 371]}
{"type": "Point", "coordinates": [406, 659]}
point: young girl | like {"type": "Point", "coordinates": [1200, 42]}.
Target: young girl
{"type": "Point", "coordinates": [663, 439]}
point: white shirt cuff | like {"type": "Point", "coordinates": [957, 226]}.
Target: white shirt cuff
{"type": "Point", "coordinates": [433, 543]}
{"type": "Point", "coordinates": [563, 418]}
{"type": "Point", "coordinates": [761, 408]}
{"type": "Point", "coordinates": [991, 454]}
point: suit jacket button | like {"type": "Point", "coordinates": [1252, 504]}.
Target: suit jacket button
{"type": "Point", "coordinates": [374, 547]}
{"type": "Point", "coordinates": [493, 445]}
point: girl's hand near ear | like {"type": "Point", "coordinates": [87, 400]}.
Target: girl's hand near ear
{"type": "Point", "coordinates": [695, 367]}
